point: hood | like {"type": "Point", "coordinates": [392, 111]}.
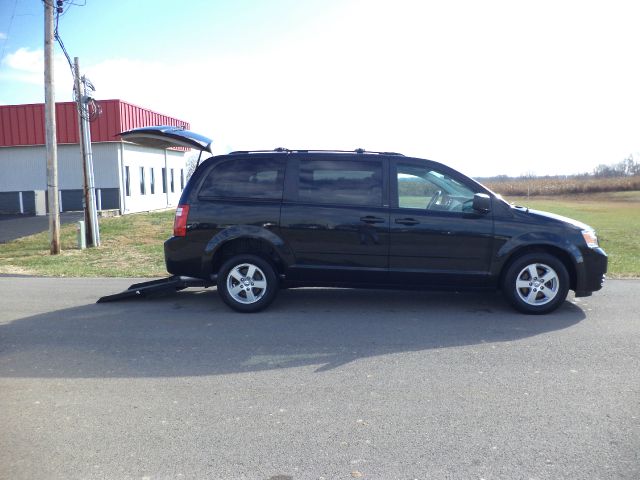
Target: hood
{"type": "Point", "coordinates": [165, 136]}
{"type": "Point", "coordinates": [551, 217]}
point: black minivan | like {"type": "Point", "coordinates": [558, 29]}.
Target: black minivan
{"type": "Point", "coordinates": [255, 221]}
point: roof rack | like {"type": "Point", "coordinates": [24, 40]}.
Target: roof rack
{"type": "Point", "coordinates": [286, 150]}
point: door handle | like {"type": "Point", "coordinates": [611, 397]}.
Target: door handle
{"type": "Point", "coordinates": [407, 221]}
{"type": "Point", "coordinates": [371, 219]}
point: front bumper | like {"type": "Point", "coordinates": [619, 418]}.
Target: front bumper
{"type": "Point", "coordinates": [591, 272]}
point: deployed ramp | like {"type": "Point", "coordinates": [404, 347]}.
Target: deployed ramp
{"type": "Point", "coordinates": [164, 285]}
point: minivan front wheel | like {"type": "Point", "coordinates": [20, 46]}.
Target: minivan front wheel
{"type": "Point", "coordinates": [247, 283]}
{"type": "Point", "coordinates": [536, 283]}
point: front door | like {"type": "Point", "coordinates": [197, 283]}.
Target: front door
{"type": "Point", "coordinates": [336, 220]}
{"type": "Point", "coordinates": [436, 237]}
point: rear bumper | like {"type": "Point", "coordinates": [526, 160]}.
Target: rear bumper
{"type": "Point", "coordinates": [182, 257]}
{"type": "Point", "coordinates": [591, 272]}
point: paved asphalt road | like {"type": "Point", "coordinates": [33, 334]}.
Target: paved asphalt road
{"type": "Point", "coordinates": [16, 226]}
{"type": "Point", "coordinates": [332, 384]}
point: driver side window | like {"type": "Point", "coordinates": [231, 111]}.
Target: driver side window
{"type": "Point", "coordinates": [428, 189]}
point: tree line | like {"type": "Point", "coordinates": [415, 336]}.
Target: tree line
{"type": "Point", "coordinates": [626, 168]}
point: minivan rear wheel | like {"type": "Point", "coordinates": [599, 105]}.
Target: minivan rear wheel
{"type": "Point", "coordinates": [536, 283]}
{"type": "Point", "coordinates": [247, 283]}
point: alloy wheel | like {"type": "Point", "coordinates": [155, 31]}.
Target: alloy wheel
{"type": "Point", "coordinates": [246, 283]}
{"type": "Point", "coordinates": [537, 284]}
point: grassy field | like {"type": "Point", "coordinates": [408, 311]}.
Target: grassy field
{"type": "Point", "coordinates": [131, 247]}
{"type": "Point", "coordinates": [132, 244]}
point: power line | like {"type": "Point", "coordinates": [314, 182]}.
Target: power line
{"type": "Point", "coordinates": [6, 40]}
{"type": "Point", "coordinates": [60, 10]}
{"type": "Point", "coordinates": [93, 109]}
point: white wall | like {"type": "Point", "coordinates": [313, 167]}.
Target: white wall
{"type": "Point", "coordinates": [25, 168]}
{"type": "Point", "coordinates": [136, 157]}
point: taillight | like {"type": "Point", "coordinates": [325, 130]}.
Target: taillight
{"type": "Point", "coordinates": [180, 223]}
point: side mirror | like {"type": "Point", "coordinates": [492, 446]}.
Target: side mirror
{"type": "Point", "coordinates": [481, 203]}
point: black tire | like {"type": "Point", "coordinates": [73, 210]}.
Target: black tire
{"type": "Point", "coordinates": [247, 283]}
{"type": "Point", "coordinates": [536, 283]}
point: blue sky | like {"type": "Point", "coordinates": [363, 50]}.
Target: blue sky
{"type": "Point", "coordinates": [492, 87]}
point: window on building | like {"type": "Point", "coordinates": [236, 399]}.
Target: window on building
{"type": "Point", "coordinates": [173, 188]}
{"type": "Point", "coordinates": [142, 183]}
{"type": "Point", "coordinates": [152, 181]}
{"type": "Point", "coordinates": [164, 180]}
{"type": "Point", "coordinates": [181, 179]}
{"type": "Point", "coordinates": [246, 178]}
{"type": "Point", "coordinates": [127, 182]}
{"type": "Point", "coordinates": [341, 182]}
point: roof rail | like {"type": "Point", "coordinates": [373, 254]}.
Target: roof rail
{"type": "Point", "coordinates": [297, 150]}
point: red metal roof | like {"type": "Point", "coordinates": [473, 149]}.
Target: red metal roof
{"type": "Point", "coordinates": [24, 124]}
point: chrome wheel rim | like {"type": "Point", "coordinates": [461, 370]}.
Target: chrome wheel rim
{"type": "Point", "coordinates": [246, 283]}
{"type": "Point", "coordinates": [537, 284]}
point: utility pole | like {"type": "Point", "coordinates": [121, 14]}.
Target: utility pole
{"type": "Point", "coordinates": [50, 128]}
{"type": "Point", "coordinates": [90, 211]}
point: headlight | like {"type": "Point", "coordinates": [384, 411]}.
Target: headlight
{"type": "Point", "coordinates": [590, 238]}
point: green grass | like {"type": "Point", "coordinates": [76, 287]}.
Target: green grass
{"type": "Point", "coordinates": [132, 244]}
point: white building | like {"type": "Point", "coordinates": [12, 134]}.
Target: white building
{"type": "Point", "coordinates": [128, 177]}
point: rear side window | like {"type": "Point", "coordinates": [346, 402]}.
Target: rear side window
{"type": "Point", "coordinates": [245, 178]}
{"type": "Point", "coordinates": [340, 182]}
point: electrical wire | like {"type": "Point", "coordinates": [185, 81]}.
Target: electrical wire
{"type": "Point", "coordinates": [6, 40]}
{"type": "Point", "coordinates": [56, 35]}
{"type": "Point", "coordinates": [88, 107]}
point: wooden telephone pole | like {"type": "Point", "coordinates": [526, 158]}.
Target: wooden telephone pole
{"type": "Point", "coordinates": [50, 128]}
